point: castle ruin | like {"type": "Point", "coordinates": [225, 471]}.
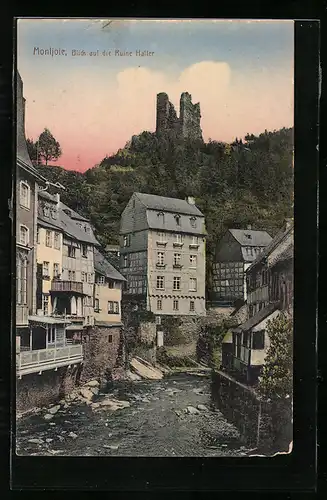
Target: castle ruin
{"type": "Point", "coordinates": [187, 126]}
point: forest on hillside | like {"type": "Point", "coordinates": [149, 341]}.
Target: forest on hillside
{"type": "Point", "coordinates": [245, 182]}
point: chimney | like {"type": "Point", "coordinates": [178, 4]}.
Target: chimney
{"type": "Point", "coordinates": [249, 227]}
{"type": "Point", "coordinates": [190, 200]}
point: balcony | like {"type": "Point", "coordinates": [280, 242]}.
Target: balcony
{"type": "Point", "coordinates": [178, 243]}
{"type": "Point", "coordinates": [47, 359]}
{"type": "Point", "coordinates": [161, 266]}
{"type": "Point", "coordinates": [67, 286]}
{"type": "Point", "coordinates": [177, 266]}
{"type": "Point", "coordinates": [21, 315]}
{"type": "Point", "coordinates": [161, 243]}
{"type": "Point", "coordinates": [194, 246]}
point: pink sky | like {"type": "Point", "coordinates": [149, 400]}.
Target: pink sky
{"type": "Point", "coordinates": [93, 110]}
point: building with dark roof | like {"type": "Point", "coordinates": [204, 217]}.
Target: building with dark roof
{"type": "Point", "coordinates": [235, 252]}
{"type": "Point", "coordinates": [162, 250]}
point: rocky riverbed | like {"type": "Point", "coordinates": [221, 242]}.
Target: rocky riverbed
{"type": "Point", "coordinates": [169, 417]}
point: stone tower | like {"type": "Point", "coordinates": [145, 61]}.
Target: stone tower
{"type": "Point", "coordinates": [187, 126]}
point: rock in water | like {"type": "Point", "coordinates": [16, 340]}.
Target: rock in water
{"type": "Point", "coordinates": [202, 408]}
{"type": "Point", "coordinates": [54, 409]}
{"type": "Point", "coordinates": [86, 393]}
{"type": "Point", "coordinates": [36, 441]}
{"type": "Point", "coordinates": [92, 383]}
{"type": "Point", "coordinates": [48, 416]}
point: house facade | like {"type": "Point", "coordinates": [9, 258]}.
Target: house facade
{"type": "Point", "coordinates": [270, 292]}
{"type": "Point", "coordinates": [162, 250]}
{"type": "Point", "coordinates": [234, 254]}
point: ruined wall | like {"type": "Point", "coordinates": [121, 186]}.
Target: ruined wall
{"type": "Point", "coordinates": [187, 126]}
{"type": "Point", "coordinates": [37, 391]}
{"type": "Point", "coordinates": [101, 349]}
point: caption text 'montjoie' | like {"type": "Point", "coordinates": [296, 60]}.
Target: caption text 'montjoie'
{"type": "Point", "coordinates": [53, 52]}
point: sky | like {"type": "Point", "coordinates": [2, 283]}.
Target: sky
{"type": "Point", "coordinates": [241, 72]}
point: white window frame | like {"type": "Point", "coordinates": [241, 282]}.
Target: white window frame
{"type": "Point", "coordinates": [27, 235]}
{"type": "Point", "coordinates": [177, 281]}
{"type": "Point", "coordinates": [21, 202]}
{"type": "Point", "coordinates": [56, 266]}
{"type": "Point", "coordinates": [45, 266]}
{"type": "Point", "coordinates": [177, 259]}
{"type": "Point", "coordinates": [162, 280]}
{"type": "Point", "coordinates": [159, 307]}
{"type": "Point", "coordinates": [195, 259]}
{"type": "Point", "coordinates": [195, 240]}
{"type": "Point", "coordinates": [192, 305]}
{"type": "Point", "coordinates": [56, 240]}
{"type": "Point", "coordinates": [178, 238]}
{"type": "Point", "coordinates": [175, 305]}
{"type": "Point", "coordinates": [96, 305]}
{"type": "Point", "coordinates": [48, 238]}
{"type": "Point", "coordinates": [160, 258]}
{"type": "Point", "coordinates": [45, 301]}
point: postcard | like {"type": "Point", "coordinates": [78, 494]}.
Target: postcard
{"type": "Point", "coordinates": [154, 242]}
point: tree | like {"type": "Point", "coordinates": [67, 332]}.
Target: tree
{"type": "Point", "coordinates": [33, 151]}
{"type": "Point", "coordinates": [277, 376]}
{"type": "Point", "coordinates": [48, 148]}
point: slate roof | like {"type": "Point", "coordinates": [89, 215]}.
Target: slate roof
{"type": "Point", "coordinates": [102, 266]}
{"type": "Point", "coordinates": [251, 238]}
{"type": "Point", "coordinates": [106, 323]}
{"type": "Point", "coordinates": [154, 202]}
{"type": "Point", "coordinates": [273, 244]}
{"type": "Point", "coordinates": [256, 319]}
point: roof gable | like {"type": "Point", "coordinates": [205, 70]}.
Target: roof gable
{"type": "Point", "coordinates": [165, 204]}
{"type": "Point", "coordinates": [250, 237]}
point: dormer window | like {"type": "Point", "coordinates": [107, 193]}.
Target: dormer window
{"type": "Point", "coordinates": [53, 213]}
{"type": "Point", "coordinates": [46, 211]}
{"type": "Point", "coordinates": [161, 217]}
{"type": "Point", "coordinates": [248, 236]}
{"type": "Point", "coordinates": [193, 221]}
{"type": "Point", "coordinates": [178, 220]}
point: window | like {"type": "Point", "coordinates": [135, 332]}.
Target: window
{"type": "Point", "coordinates": [160, 258]}
{"type": "Point", "coordinates": [23, 235]}
{"type": "Point", "coordinates": [158, 320]}
{"type": "Point", "coordinates": [159, 305]}
{"type": "Point", "coordinates": [56, 270]}
{"type": "Point", "coordinates": [127, 240]}
{"type": "Point", "coordinates": [71, 275]}
{"type": "Point", "coordinates": [48, 238]}
{"type": "Point", "coordinates": [193, 284]}
{"type": "Point", "coordinates": [160, 282]}
{"type": "Point", "coordinates": [178, 220]}
{"type": "Point", "coordinates": [162, 237]}
{"type": "Point", "coordinates": [84, 250]}
{"type": "Point", "coordinates": [71, 251]}
{"type": "Point", "coordinates": [161, 217]}
{"type": "Point", "coordinates": [178, 239]}
{"type": "Point", "coordinates": [100, 280]}
{"type": "Point", "coordinates": [177, 259]}
{"type": "Point", "coordinates": [192, 305]}
{"type": "Point", "coordinates": [193, 260]}
{"type": "Point", "coordinates": [113, 307]}
{"type": "Point", "coordinates": [125, 261]}
{"type": "Point", "coordinates": [110, 338]}
{"type": "Point", "coordinates": [177, 283]}
{"type": "Point", "coordinates": [45, 304]}
{"type": "Point", "coordinates": [116, 307]}
{"type": "Point", "coordinates": [21, 281]}
{"type": "Point", "coordinates": [111, 284]}
{"type": "Point", "coordinates": [51, 334]}
{"type": "Point", "coordinates": [96, 305]}
{"type": "Point", "coordinates": [193, 221]}
{"type": "Point", "coordinates": [45, 270]}
{"type": "Point", "coordinates": [24, 197]}
{"type": "Point", "coordinates": [83, 276]}
{"type": "Point", "coordinates": [90, 278]}
{"type": "Point", "coordinates": [258, 340]}
{"type": "Point", "coordinates": [46, 211]}
{"type": "Point", "coordinates": [195, 240]}
{"type": "Point", "coordinates": [56, 240]}
{"type": "Point", "coordinates": [175, 305]}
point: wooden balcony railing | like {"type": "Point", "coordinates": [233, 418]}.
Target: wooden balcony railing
{"type": "Point", "coordinates": [48, 359]}
{"type": "Point", "coordinates": [66, 286]}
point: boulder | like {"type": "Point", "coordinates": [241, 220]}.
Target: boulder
{"type": "Point", "coordinates": [48, 416]}
{"type": "Point", "coordinates": [92, 383]}
{"type": "Point", "coordinates": [72, 435]}
{"type": "Point", "coordinates": [86, 393]}
{"type": "Point", "coordinates": [192, 411]}
{"type": "Point", "coordinates": [95, 390]}
{"type": "Point", "coordinates": [114, 404]}
{"type": "Point", "coordinates": [36, 441]}
{"type": "Point", "coordinates": [49, 440]}
{"type": "Point", "coordinates": [54, 409]}
{"type": "Point", "coordinates": [202, 407]}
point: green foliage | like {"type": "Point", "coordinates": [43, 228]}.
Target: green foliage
{"type": "Point", "coordinates": [146, 316]}
{"type": "Point", "coordinates": [277, 376]}
{"type": "Point", "coordinates": [47, 146]}
{"type": "Point", "coordinates": [246, 182]}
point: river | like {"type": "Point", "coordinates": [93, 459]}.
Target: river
{"type": "Point", "coordinates": [163, 419]}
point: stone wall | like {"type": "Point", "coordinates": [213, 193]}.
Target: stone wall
{"type": "Point", "coordinates": [266, 426]}
{"type": "Point", "coordinates": [147, 332]}
{"type": "Point", "coordinates": [101, 349]}
{"type": "Point", "coordinates": [37, 391]}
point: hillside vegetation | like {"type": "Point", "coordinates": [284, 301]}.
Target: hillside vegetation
{"type": "Point", "coordinates": [245, 182]}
